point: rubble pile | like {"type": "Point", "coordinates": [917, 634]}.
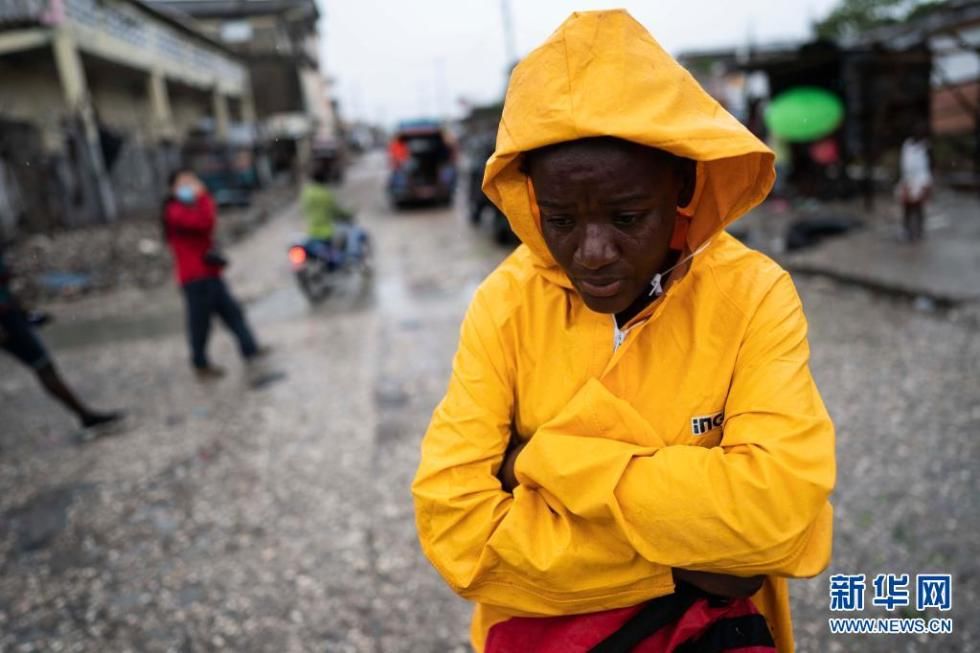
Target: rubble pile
{"type": "Point", "coordinates": [128, 253]}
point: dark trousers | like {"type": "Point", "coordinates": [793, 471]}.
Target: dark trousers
{"type": "Point", "coordinates": [210, 296]}
{"type": "Point", "coordinates": [18, 337]}
{"type": "Point", "coordinates": [914, 218]}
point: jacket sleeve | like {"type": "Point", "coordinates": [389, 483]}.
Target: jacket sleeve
{"type": "Point", "coordinates": [523, 552]}
{"type": "Point", "coordinates": [198, 217]}
{"type": "Point", "coordinates": [756, 504]}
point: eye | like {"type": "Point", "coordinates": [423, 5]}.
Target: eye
{"type": "Point", "coordinates": [559, 221]}
{"type": "Point", "coordinates": [627, 218]}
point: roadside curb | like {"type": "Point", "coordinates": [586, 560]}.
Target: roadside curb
{"type": "Point", "coordinates": [942, 300]}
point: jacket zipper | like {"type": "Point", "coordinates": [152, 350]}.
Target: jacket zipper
{"type": "Point", "coordinates": [619, 335]}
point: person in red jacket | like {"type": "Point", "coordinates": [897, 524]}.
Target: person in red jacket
{"type": "Point", "coordinates": [189, 218]}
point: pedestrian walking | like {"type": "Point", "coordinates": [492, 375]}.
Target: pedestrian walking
{"type": "Point", "coordinates": [632, 448]}
{"type": "Point", "coordinates": [915, 185]}
{"type": "Point", "coordinates": [189, 220]}
{"type": "Point", "coordinates": [19, 339]}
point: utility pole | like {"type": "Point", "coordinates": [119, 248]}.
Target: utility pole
{"type": "Point", "coordinates": [510, 49]}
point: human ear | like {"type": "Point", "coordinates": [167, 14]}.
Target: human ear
{"type": "Point", "coordinates": [687, 171]}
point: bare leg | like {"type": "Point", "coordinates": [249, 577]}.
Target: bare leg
{"type": "Point", "coordinates": [51, 380]}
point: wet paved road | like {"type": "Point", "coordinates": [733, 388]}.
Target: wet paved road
{"type": "Point", "coordinates": [279, 519]}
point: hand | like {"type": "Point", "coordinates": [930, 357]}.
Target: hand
{"type": "Point", "coordinates": [724, 585]}
{"type": "Point", "coordinates": [37, 318]}
{"type": "Point", "coordinates": [506, 473]}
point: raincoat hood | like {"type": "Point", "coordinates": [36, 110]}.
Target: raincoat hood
{"type": "Point", "coordinates": [602, 74]}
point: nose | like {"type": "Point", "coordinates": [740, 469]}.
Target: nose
{"type": "Point", "coordinates": [596, 249]}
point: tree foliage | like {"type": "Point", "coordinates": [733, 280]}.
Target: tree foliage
{"type": "Point", "coordinates": [852, 17]}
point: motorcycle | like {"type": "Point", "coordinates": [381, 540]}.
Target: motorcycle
{"type": "Point", "coordinates": [322, 266]}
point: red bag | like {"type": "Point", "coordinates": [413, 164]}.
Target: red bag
{"type": "Point", "coordinates": [688, 621]}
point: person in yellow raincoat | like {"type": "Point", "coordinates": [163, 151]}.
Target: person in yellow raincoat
{"type": "Point", "coordinates": [631, 402]}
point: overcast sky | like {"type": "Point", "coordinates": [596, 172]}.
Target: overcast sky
{"type": "Point", "coordinates": [398, 59]}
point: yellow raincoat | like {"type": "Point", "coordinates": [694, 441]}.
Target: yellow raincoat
{"type": "Point", "coordinates": [699, 442]}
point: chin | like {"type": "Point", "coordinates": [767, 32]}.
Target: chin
{"type": "Point", "coordinates": [608, 305]}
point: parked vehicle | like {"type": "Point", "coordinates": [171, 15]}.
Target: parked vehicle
{"type": "Point", "coordinates": [331, 154]}
{"type": "Point", "coordinates": [231, 169]}
{"type": "Point", "coordinates": [321, 266]}
{"type": "Point", "coordinates": [481, 210]}
{"type": "Point", "coordinates": [423, 165]}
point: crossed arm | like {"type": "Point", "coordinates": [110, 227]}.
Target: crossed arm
{"type": "Point", "coordinates": [594, 522]}
{"type": "Point", "coordinates": [197, 217]}
{"type": "Point", "coordinates": [726, 585]}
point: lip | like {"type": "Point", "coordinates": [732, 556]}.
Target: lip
{"type": "Point", "coordinates": [601, 288]}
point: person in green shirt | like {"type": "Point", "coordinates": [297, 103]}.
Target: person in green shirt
{"type": "Point", "coordinates": [342, 241]}
{"type": "Point", "coordinates": [320, 208]}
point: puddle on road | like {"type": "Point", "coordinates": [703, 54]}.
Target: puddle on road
{"type": "Point", "coordinates": [284, 303]}
{"type": "Point", "coordinates": [389, 393]}
{"type": "Point", "coordinates": [288, 303]}
{"type": "Point", "coordinates": [280, 304]}
{"type": "Point", "coordinates": [110, 330]}
{"type": "Point", "coordinates": [407, 305]}
{"type": "Point", "coordinates": [393, 298]}
{"type": "Point", "coordinates": [39, 520]}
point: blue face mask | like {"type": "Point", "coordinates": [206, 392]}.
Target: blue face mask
{"type": "Point", "coordinates": [185, 194]}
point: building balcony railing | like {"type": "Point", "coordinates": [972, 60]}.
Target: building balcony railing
{"type": "Point", "coordinates": [21, 13]}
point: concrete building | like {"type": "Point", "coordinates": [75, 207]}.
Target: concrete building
{"type": "Point", "coordinates": [279, 42]}
{"type": "Point", "coordinates": [924, 70]}
{"type": "Point", "coordinates": [884, 89]}
{"type": "Point", "coordinates": [952, 32]}
{"type": "Point", "coordinates": [96, 97]}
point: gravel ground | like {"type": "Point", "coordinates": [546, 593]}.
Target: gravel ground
{"type": "Point", "coordinates": [903, 389]}
{"type": "Point", "coordinates": [279, 519]}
